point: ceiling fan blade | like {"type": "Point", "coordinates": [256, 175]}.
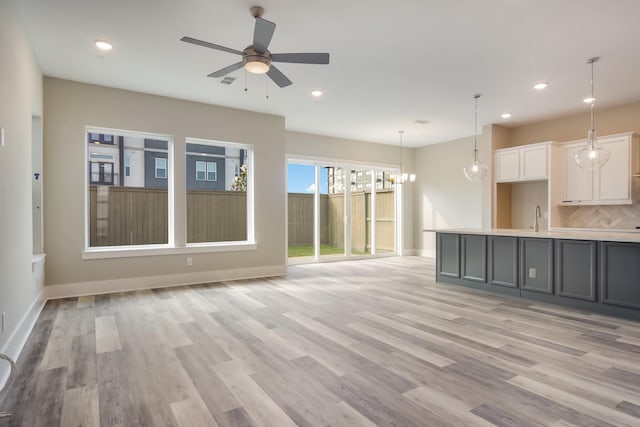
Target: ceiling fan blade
{"type": "Point", "coordinates": [278, 78]}
{"type": "Point", "coordinates": [210, 45]}
{"type": "Point", "coordinates": [226, 70]}
{"type": "Point", "coordinates": [301, 58]}
{"type": "Point", "coordinates": [262, 34]}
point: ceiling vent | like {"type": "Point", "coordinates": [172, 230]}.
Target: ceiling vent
{"type": "Point", "coordinates": [227, 80]}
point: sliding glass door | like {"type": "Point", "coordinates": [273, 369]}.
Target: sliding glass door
{"type": "Point", "coordinates": [337, 211]}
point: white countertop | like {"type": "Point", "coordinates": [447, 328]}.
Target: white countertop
{"type": "Point", "coordinates": [556, 234]}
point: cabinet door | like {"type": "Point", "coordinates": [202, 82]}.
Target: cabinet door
{"type": "Point", "coordinates": [503, 261]}
{"type": "Point", "coordinates": [620, 274]}
{"type": "Point", "coordinates": [536, 264]}
{"type": "Point", "coordinates": [448, 254]}
{"type": "Point", "coordinates": [578, 182]}
{"type": "Point", "coordinates": [533, 162]}
{"type": "Point", "coordinates": [507, 165]}
{"type": "Point", "coordinates": [576, 269]}
{"type": "Point", "coordinates": [612, 181]}
{"type": "Point", "coordinates": [473, 257]}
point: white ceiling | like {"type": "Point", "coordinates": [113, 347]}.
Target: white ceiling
{"type": "Point", "coordinates": [392, 62]}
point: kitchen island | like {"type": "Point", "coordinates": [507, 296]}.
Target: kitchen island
{"type": "Point", "coordinates": [595, 271]}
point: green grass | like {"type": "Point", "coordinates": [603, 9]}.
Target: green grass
{"type": "Point", "coordinates": [307, 250]}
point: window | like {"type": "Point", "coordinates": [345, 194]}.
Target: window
{"type": "Point", "coordinates": [218, 197]}
{"type": "Point", "coordinates": [212, 171]}
{"type": "Point", "coordinates": [127, 198]}
{"type": "Point", "coordinates": [130, 184]}
{"type": "Point", "coordinates": [161, 168]}
{"type": "Point", "coordinates": [201, 171]}
{"type": "Point", "coordinates": [206, 171]}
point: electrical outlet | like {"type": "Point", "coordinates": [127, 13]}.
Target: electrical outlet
{"type": "Point", "coordinates": [189, 261]}
{"type": "Point", "coordinates": [532, 273]}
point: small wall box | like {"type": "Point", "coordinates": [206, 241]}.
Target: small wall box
{"type": "Point", "coordinates": [1, 137]}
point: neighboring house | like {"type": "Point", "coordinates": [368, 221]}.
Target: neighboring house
{"type": "Point", "coordinates": [143, 162]}
{"type": "Point", "coordinates": [360, 180]}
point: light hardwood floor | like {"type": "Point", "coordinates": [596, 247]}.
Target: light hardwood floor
{"type": "Point", "coordinates": [363, 343]}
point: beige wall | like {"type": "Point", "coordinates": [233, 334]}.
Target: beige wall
{"type": "Point", "coordinates": [21, 95]}
{"type": "Point", "coordinates": [444, 198]}
{"type": "Point", "coordinates": [69, 106]}
{"type": "Point", "coordinates": [623, 118]}
{"type": "Point", "coordinates": [524, 198]}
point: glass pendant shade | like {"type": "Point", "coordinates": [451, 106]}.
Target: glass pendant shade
{"type": "Point", "coordinates": [592, 155]}
{"type": "Point", "coordinates": [476, 171]}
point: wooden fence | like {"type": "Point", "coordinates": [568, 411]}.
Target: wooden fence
{"type": "Point", "coordinates": [216, 216]}
{"type": "Point", "coordinates": [139, 216]}
{"type": "Point", "coordinates": [332, 216]}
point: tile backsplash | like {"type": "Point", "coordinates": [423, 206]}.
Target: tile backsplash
{"type": "Point", "coordinates": [603, 216]}
{"type": "Point", "coordinates": [618, 216]}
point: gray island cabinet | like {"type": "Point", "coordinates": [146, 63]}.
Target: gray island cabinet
{"type": "Point", "coordinates": [593, 271]}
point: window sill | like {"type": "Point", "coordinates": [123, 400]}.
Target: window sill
{"type": "Point", "coordinates": [159, 250]}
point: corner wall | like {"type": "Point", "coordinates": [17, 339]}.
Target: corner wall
{"type": "Point", "coordinates": [21, 94]}
{"type": "Point", "coordinates": [444, 198]}
{"type": "Point", "coordinates": [609, 121]}
{"type": "Point", "coordinates": [69, 106]}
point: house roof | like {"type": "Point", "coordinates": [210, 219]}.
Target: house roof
{"type": "Point", "coordinates": [392, 62]}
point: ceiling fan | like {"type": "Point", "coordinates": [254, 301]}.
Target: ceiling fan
{"type": "Point", "coordinates": [256, 58]}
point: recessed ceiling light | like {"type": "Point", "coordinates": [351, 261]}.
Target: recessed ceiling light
{"type": "Point", "coordinates": [540, 86]}
{"type": "Point", "coordinates": [317, 93]}
{"type": "Point", "coordinates": [506, 115]}
{"type": "Point", "coordinates": [103, 45]}
{"type": "Point", "coordinates": [588, 100]}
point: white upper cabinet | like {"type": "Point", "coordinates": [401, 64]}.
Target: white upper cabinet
{"type": "Point", "coordinates": [525, 163]}
{"type": "Point", "coordinates": [610, 184]}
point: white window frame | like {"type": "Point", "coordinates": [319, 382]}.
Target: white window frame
{"type": "Point", "coordinates": [176, 242]}
{"type": "Point", "coordinates": [250, 242]}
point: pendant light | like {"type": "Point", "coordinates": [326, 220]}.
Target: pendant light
{"type": "Point", "coordinates": [477, 170]}
{"type": "Point", "coordinates": [404, 176]}
{"type": "Point", "coordinates": [592, 155]}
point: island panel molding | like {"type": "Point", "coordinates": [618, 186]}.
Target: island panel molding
{"type": "Point", "coordinates": [502, 268]}
{"type": "Point", "coordinates": [587, 271]}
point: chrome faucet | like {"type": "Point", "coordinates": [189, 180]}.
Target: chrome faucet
{"type": "Point", "coordinates": [536, 225]}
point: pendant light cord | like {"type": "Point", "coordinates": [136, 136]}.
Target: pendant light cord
{"type": "Point", "coordinates": [475, 131]}
{"type": "Point", "coordinates": [592, 132]}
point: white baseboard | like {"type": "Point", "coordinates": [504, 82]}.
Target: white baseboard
{"type": "Point", "coordinates": [152, 282]}
{"type": "Point", "coordinates": [19, 336]}
{"type": "Point", "coordinates": [426, 253]}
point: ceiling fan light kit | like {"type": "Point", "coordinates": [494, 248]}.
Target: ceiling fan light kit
{"type": "Point", "coordinates": [257, 58]}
